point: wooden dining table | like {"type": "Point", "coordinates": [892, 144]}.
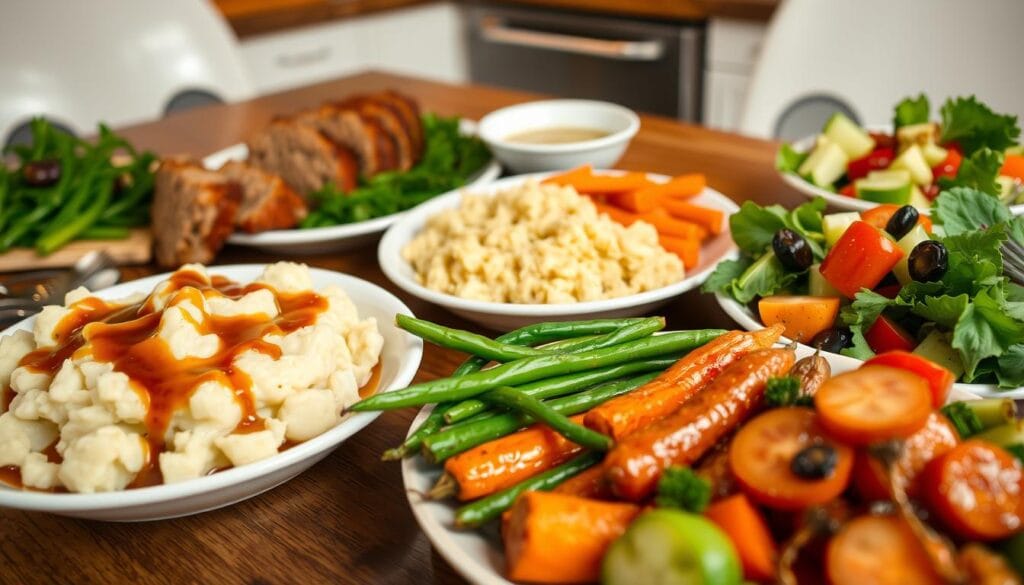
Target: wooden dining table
{"type": "Point", "coordinates": [345, 520]}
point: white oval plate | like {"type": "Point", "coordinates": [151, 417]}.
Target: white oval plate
{"type": "Point", "coordinates": [507, 316]}
{"type": "Point", "coordinates": [835, 199]}
{"type": "Point", "coordinates": [749, 321]}
{"type": "Point", "coordinates": [335, 238]}
{"type": "Point", "coordinates": [400, 360]}
{"type": "Point", "coordinates": [478, 555]}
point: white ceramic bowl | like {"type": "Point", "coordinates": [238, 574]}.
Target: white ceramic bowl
{"type": "Point", "coordinates": [621, 124]}
{"type": "Point", "coordinates": [478, 555]}
{"type": "Point", "coordinates": [335, 238]}
{"type": "Point", "coordinates": [836, 200]}
{"type": "Point", "coordinates": [508, 316]}
{"type": "Point", "coordinates": [400, 360]}
{"type": "Point", "coordinates": [749, 321]}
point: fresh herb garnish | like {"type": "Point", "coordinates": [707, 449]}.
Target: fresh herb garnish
{"type": "Point", "coordinates": [973, 125]}
{"type": "Point", "coordinates": [912, 111]}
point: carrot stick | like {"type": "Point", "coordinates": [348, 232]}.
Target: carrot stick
{"type": "Point", "coordinates": [749, 533]}
{"type": "Point", "coordinates": [504, 462]}
{"type": "Point", "coordinates": [659, 218]}
{"type": "Point", "coordinates": [688, 250]}
{"type": "Point", "coordinates": [649, 198]}
{"type": "Point", "coordinates": [602, 184]}
{"type": "Point", "coordinates": [589, 484]}
{"type": "Point", "coordinates": [570, 175]}
{"type": "Point", "coordinates": [635, 465]}
{"type": "Point", "coordinates": [558, 538]}
{"type": "Point", "coordinates": [663, 395]}
{"type": "Point", "coordinates": [710, 219]}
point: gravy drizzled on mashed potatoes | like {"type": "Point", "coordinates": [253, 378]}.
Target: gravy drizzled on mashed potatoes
{"type": "Point", "coordinates": [200, 375]}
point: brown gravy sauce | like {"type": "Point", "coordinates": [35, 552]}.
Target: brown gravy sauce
{"type": "Point", "coordinates": [128, 338]}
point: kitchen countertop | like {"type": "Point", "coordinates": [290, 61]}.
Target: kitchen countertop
{"type": "Point", "coordinates": [345, 520]}
{"type": "Point", "coordinates": [253, 17]}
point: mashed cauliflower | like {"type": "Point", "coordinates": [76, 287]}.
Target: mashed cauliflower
{"type": "Point", "coordinates": [538, 243]}
{"type": "Point", "coordinates": [102, 424]}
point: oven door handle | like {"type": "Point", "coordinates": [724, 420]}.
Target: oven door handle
{"type": "Point", "coordinates": [495, 30]}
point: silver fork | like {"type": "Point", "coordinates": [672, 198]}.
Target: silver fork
{"type": "Point", "coordinates": [95, 270]}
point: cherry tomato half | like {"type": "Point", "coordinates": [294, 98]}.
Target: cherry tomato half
{"type": "Point", "coordinates": [939, 379]}
{"type": "Point", "coordinates": [872, 404]}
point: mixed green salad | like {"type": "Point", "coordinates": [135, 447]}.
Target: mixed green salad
{"type": "Point", "coordinates": [887, 279]}
{"type": "Point", "coordinates": [972, 146]}
{"type": "Point", "coordinates": [449, 160]}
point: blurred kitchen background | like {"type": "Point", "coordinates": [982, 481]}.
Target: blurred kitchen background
{"type": "Point", "coordinates": [772, 68]}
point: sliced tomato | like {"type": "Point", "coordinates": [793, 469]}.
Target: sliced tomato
{"type": "Point", "coordinates": [936, 438]}
{"type": "Point", "coordinates": [872, 404]}
{"type": "Point", "coordinates": [886, 335]}
{"type": "Point", "coordinates": [939, 379]}
{"type": "Point", "coordinates": [861, 258]}
{"type": "Point", "coordinates": [879, 158]}
{"type": "Point", "coordinates": [878, 550]}
{"type": "Point", "coordinates": [880, 215]}
{"type": "Point", "coordinates": [849, 190]}
{"type": "Point", "coordinates": [949, 165]}
{"type": "Point", "coordinates": [762, 452]}
{"type": "Point", "coordinates": [977, 490]}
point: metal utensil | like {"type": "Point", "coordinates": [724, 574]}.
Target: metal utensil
{"type": "Point", "coordinates": [94, 270]}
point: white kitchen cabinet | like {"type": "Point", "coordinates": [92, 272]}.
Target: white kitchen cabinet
{"type": "Point", "coordinates": [425, 41]}
{"type": "Point", "coordinates": [731, 53]}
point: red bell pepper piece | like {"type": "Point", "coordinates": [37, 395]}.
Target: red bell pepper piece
{"type": "Point", "coordinates": [848, 190]}
{"type": "Point", "coordinates": [880, 215]}
{"type": "Point", "coordinates": [879, 158]}
{"type": "Point", "coordinates": [860, 259]}
{"type": "Point", "coordinates": [950, 165]}
{"type": "Point", "coordinates": [885, 335]}
{"type": "Point", "coordinates": [1013, 166]}
{"type": "Point", "coordinates": [939, 379]}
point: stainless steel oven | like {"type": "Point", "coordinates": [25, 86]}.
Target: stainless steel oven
{"type": "Point", "coordinates": [649, 66]}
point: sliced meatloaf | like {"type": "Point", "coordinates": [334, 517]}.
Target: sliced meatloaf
{"type": "Point", "coordinates": [193, 212]}
{"type": "Point", "coordinates": [391, 122]}
{"type": "Point", "coordinates": [268, 203]}
{"type": "Point", "coordinates": [303, 156]}
{"type": "Point", "coordinates": [373, 146]}
{"type": "Point", "coordinates": [409, 112]}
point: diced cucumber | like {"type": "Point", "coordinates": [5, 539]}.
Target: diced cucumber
{"type": "Point", "coordinates": [907, 243]}
{"type": "Point", "coordinates": [933, 154]}
{"type": "Point", "coordinates": [826, 163]}
{"type": "Point", "coordinates": [854, 141]}
{"type": "Point", "coordinates": [918, 198]}
{"type": "Point", "coordinates": [919, 134]}
{"type": "Point", "coordinates": [891, 186]}
{"type": "Point", "coordinates": [1017, 149]}
{"type": "Point", "coordinates": [1011, 190]}
{"type": "Point", "coordinates": [936, 347]}
{"type": "Point", "coordinates": [912, 159]}
{"type": "Point", "coordinates": [834, 224]}
{"type": "Point", "coordinates": [817, 286]}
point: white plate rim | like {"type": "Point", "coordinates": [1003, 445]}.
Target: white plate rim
{"type": "Point", "coordinates": [836, 200]}
{"type": "Point", "coordinates": [76, 502]}
{"type": "Point", "coordinates": [746, 319]}
{"type": "Point", "coordinates": [390, 259]}
{"type": "Point", "coordinates": [473, 568]}
{"type": "Point", "coordinates": [487, 174]}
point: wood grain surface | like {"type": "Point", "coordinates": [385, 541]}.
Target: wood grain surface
{"type": "Point", "coordinates": [345, 520]}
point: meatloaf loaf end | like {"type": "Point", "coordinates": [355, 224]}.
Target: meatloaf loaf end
{"type": "Point", "coordinates": [193, 212]}
{"type": "Point", "coordinates": [267, 202]}
{"type": "Point", "coordinates": [303, 156]}
{"type": "Point", "coordinates": [390, 121]}
{"type": "Point", "coordinates": [373, 147]}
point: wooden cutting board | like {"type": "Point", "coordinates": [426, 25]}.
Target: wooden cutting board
{"type": "Point", "coordinates": [137, 248]}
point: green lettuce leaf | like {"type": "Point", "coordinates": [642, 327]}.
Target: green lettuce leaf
{"type": "Point", "coordinates": [978, 171]}
{"type": "Point", "coordinates": [725, 273]}
{"type": "Point", "coordinates": [975, 261]}
{"type": "Point", "coordinates": [788, 160]}
{"type": "Point", "coordinates": [984, 330]}
{"type": "Point", "coordinates": [764, 277]}
{"type": "Point", "coordinates": [965, 209]}
{"type": "Point", "coordinates": [944, 310]}
{"type": "Point", "coordinates": [859, 316]}
{"type": "Point", "coordinates": [912, 111]}
{"type": "Point", "coordinates": [754, 226]}
{"type": "Point", "coordinates": [973, 125]}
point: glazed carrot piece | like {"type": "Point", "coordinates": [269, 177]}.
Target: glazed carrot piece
{"type": "Point", "coordinates": [589, 484]}
{"type": "Point", "coordinates": [634, 466]}
{"type": "Point", "coordinates": [558, 538]}
{"type": "Point", "coordinates": [710, 219]}
{"type": "Point", "coordinates": [688, 250]}
{"type": "Point", "coordinates": [570, 175]}
{"type": "Point", "coordinates": [504, 462]}
{"type": "Point", "coordinates": [602, 184]}
{"type": "Point", "coordinates": [650, 198]}
{"type": "Point", "coordinates": [663, 395]}
{"type": "Point", "coordinates": [659, 218]}
{"type": "Point", "coordinates": [749, 533]}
